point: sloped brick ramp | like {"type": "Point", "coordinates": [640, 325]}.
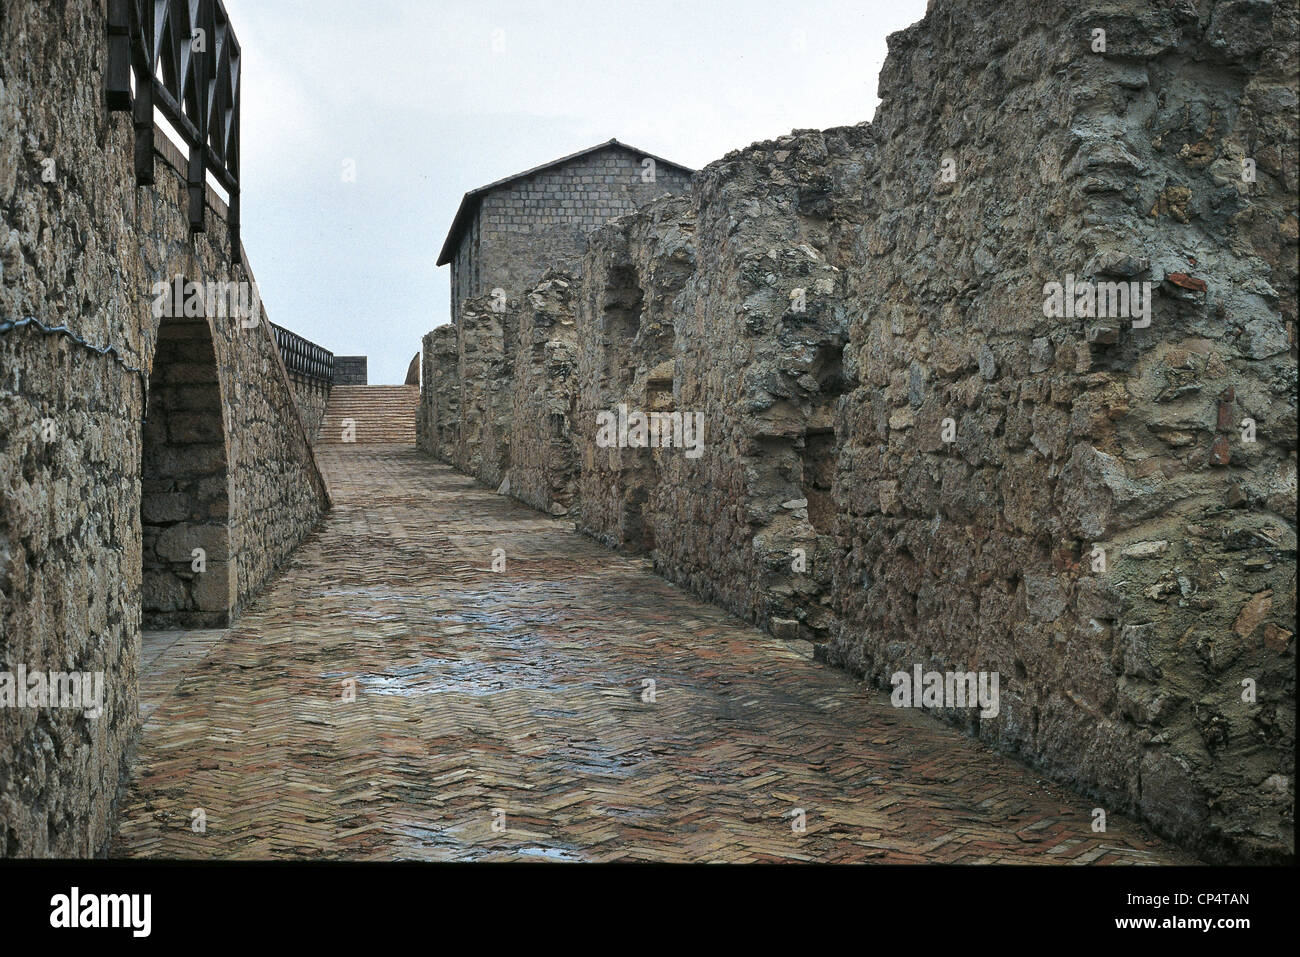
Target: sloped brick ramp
{"type": "Point", "coordinates": [513, 699]}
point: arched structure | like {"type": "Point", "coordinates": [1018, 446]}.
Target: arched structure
{"type": "Point", "coordinates": [187, 569]}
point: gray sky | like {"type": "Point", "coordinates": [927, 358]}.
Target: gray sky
{"type": "Point", "coordinates": [431, 99]}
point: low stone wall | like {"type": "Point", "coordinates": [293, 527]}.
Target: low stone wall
{"type": "Point", "coordinates": [914, 455]}
{"type": "Point", "coordinates": [81, 247]}
{"type": "Point", "coordinates": [351, 370]}
{"type": "Point", "coordinates": [437, 417]}
{"type": "Point", "coordinates": [486, 341]}
{"type": "Point", "coordinates": [543, 463]}
{"type": "Point", "coordinates": [311, 396]}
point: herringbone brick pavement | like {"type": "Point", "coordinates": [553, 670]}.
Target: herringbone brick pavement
{"type": "Point", "coordinates": [499, 715]}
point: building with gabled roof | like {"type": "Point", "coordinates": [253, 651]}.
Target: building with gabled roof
{"type": "Point", "coordinates": [507, 233]}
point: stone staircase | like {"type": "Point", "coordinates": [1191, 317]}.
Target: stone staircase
{"type": "Point", "coordinates": [382, 414]}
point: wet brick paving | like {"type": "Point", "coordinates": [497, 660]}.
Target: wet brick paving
{"type": "Point", "coordinates": [500, 715]}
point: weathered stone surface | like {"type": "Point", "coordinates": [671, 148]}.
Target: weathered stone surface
{"type": "Point", "coordinates": [909, 458]}
{"type": "Point", "coordinates": [437, 421]}
{"type": "Point", "coordinates": [543, 462]}
{"type": "Point", "coordinates": [77, 566]}
{"type": "Point", "coordinates": [311, 397]}
{"type": "Point", "coordinates": [1105, 439]}
{"type": "Point", "coordinates": [486, 342]}
{"type": "Point", "coordinates": [625, 333]}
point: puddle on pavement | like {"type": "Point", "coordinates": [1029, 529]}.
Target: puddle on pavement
{"type": "Point", "coordinates": [452, 676]}
{"type": "Point", "coordinates": [496, 609]}
{"type": "Point", "coordinates": [429, 838]}
{"type": "Point", "coordinates": [547, 853]}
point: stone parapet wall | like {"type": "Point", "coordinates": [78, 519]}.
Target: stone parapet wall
{"type": "Point", "coordinates": [437, 420]}
{"type": "Point", "coordinates": [486, 342]}
{"type": "Point", "coordinates": [543, 463]}
{"type": "Point", "coordinates": [633, 274]}
{"type": "Point", "coordinates": [1078, 441]}
{"type": "Point", "coordinates": [83, 250]}
{"type": "Point", "coordinates": [311, 397]}
{"type": "Point", "coordinates": [912, 457]}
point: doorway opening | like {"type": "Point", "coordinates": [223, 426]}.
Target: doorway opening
{"type": "Point", "coordinates": [187, 574]}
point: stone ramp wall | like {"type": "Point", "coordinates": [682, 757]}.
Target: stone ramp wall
{"type": "Point", "coordinates": [311, 396]}
{"type": "Point", "coordinates": [84, 251]}
{"type": "Point", "coordinates": [908, 460]}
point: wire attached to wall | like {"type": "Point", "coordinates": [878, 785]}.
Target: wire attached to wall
{"type": "Point", "coordinates": [108, 351]}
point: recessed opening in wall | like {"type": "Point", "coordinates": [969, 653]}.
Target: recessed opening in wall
{"type": "Point", "coordinates": [818, 454]}
{"type": "Point", "coordinates": [818, 460]}
{"type": "Point", "coordinates": [621, 321]}
{"type": "Point", "coordinates": [187, 573]}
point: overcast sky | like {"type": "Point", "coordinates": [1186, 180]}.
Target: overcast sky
{"type": "Point", "coordinates": [429, 99]}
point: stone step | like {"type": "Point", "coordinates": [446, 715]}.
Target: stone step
{"type": "Point", "coordinates": [379, 413]}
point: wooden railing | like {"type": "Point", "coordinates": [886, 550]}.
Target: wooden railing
{"type": "Point", "coordinates": [185, 61]}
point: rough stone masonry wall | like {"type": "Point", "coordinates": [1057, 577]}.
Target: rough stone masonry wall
{"type": "Point", "coordinates": [485, 341]}
{"type": "Point", "coordinates": [1078, 434]}
{"type": "Point", "coordinates": [437, 417]}
{"type": "Point", "coordinates": [736, 314]}
{"type": "Point", "coordinates": [828, 300]}
{"type": "Point", "coordinates": [311, 396]}
{"type": "Point", "coordinates": [84, 251]}
{"type": "Point", "coordinates": [543, 465]}
{"type": "Point", "coordinates": [184, 486]}
{"type": "Point", "coordinates": [635, 273]}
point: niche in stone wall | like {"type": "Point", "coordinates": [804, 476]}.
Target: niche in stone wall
{"type": "Point", "coordinates": [620, 302]}
{"type": "Point", "coordinates": [805, 597]}
{"type": "Point", "coordinates": [187, 575]}
{"type": "Point", "coordinates": [621, 317]}
{"type": "Point", "coordinates": [818, 451]}
{"type": "Point", "coordinates": [817, 458]}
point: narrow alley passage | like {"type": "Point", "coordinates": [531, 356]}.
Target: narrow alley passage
{"type": "Point", "coordinates": [501, 715]}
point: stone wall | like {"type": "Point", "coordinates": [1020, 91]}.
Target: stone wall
{"type": "Point", "coordinates": [739, 321]}
{"type": "Point", "coordinates": [1081, 440]}
{"type": "Point", "coordinates": [311, 396]}
{"type": "Point", "coordinates": [633, 273]}
{"type": "Point", "coordinates": [184, 487]}
{"type": "Point", "coordinates": [351, 370]}
{"type": "Point", "coordinates": [911, 458]}
{"type": "Point", "coordinates": [537, 222]}
{"type": "Point", "coordinates": [486, 342]}
{"type": "Point", "coordinates": [437, 418]}
{"type": "Point", "coordinates": [543, 463]}
{"type": "Point", "coordinates": [82, 251]}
